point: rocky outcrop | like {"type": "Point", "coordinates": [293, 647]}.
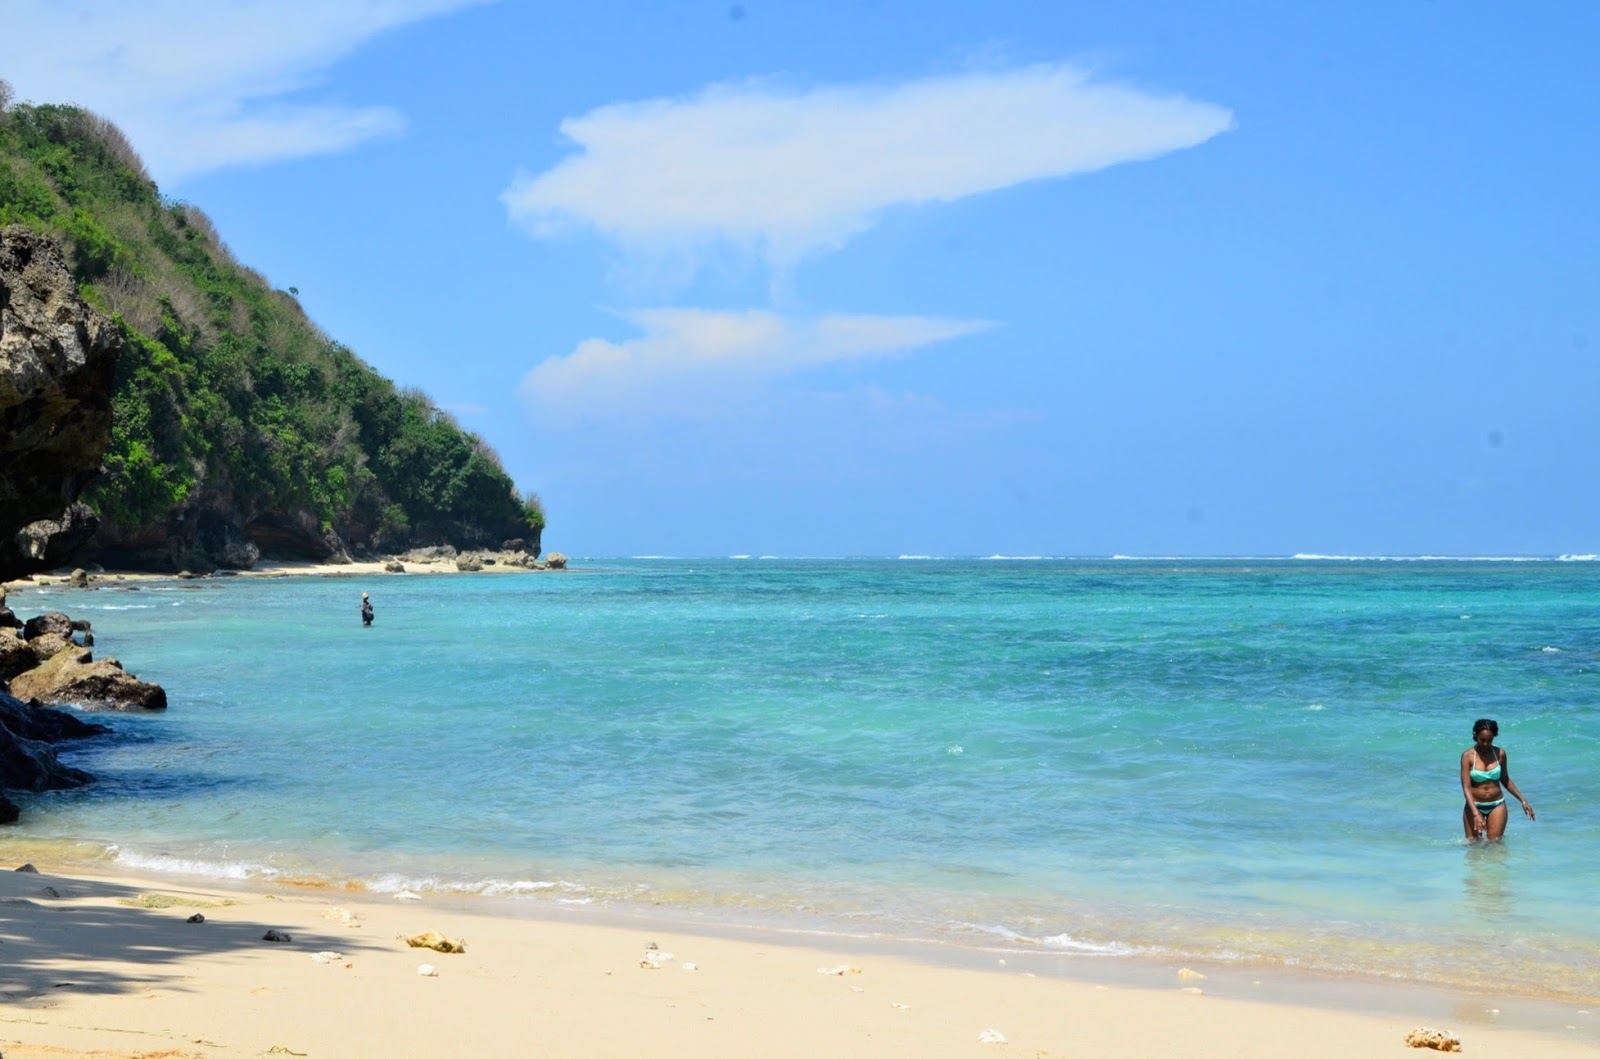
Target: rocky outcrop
{"type": "Point", "coordinates": [58, 356]}
{"type": "Point", "coordinates": [28, 759]}
{"type": "Point", "coordinates": [43, 661]}
{"type": "Point", "coordinates": [73, 676]}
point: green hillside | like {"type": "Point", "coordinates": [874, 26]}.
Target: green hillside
{"type": "Point", "coordinates": [235, 418]}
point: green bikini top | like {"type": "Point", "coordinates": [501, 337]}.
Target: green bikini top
{"type": "Point", "coordinates": [1480, 776]}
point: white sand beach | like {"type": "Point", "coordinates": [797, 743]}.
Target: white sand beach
{"type": "Point", "coordinates": [110, 966]}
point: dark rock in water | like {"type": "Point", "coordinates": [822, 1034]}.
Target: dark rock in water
{"type": "Point", "coordinates": [58, 356]}
{"type": "Point", "coordinates": [31, 765]}
{"type": "Point", "coordinates": [35, 720]}
{"type": "Point", "coordinates": [9, 620]}
{"type": "Point", "coordinates": [29, 868]}
{"type": "Point", "coordinates": [54, 621]}
{"type": "Point", "coordinates": [27, 760]}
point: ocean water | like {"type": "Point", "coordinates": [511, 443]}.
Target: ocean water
{"type": "Point", "coordinates": [1250, 761]}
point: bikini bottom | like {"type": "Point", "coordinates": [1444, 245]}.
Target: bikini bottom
{"type": "Point", "coordinates": [1488, 807]}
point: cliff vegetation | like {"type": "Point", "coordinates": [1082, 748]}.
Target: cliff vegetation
{"type": "Point", "coordinates": [239, 429]}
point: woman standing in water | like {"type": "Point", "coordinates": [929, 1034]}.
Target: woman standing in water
{"type": "Point", "coordinates": [1485, 778]}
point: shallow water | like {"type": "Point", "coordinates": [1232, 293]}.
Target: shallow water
{"type": "Point", "coordinates": [1246, 760]}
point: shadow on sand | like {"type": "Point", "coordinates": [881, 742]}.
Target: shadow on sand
{"type": "Point", "coordinates": [62, 934]}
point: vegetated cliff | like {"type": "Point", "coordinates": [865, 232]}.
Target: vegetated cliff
{"type": "Point", "coordinates": [239, 430]}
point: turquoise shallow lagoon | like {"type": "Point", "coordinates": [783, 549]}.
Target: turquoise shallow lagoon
{"type": "Point", "coordinates": [1250, 761]}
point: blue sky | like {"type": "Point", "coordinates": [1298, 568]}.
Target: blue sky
{"type": "Point", "coordinates": [883, 278]}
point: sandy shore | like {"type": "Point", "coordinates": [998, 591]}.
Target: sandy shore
{"type": "Point", "coordinates": [110, 966]}
{"type": "Point", "coordinates": [370, 569]}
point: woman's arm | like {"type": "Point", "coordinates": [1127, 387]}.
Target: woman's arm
{"type": "Point", "coordinates": [1466, 790]}
{"type": "Point", "coordinates": [1505, 781]}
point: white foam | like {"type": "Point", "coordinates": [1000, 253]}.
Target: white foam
{"type": "Point", "coordinates": [1312, 556]}
{"type": "Point", "coordinates": [1067, 943]}
{"type": "Point", "coordinates": [174, 865]}
{"type": "Point", "coordinates": [395, 884]}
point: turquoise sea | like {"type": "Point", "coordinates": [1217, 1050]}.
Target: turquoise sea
{"type": "Point", "coordinates": [1245, 761]}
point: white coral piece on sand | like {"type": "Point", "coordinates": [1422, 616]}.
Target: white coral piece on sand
{"type": "Point", "coordinates": [326, 957]}
{"type": "Point", "coordinates": [428, 970]}
{"type": "Point", "coordinates": [991, 1037]}
{"type": "Point", "coordinates": [843, 968]}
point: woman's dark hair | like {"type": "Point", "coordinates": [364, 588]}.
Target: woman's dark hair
{"type": "Point", "coordinates": [1483, 722]}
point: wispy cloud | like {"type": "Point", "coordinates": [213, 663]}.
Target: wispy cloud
{"type": "Point", "coordinates": [202, 84]}
{"type": "Point", "coordinates": [792, 173]}
{"type": "Point", "coordinates": [693, 362]}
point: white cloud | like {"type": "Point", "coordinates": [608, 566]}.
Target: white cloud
{"type": "Point", "coordinates": [201, 84]}
{"type": "Point", "coordinates": [791, 174]}
{"type": "Point", "coordinates": [693, 362]}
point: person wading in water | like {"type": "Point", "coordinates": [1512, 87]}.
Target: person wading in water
{"type": "Point", "coordinates": [366, 609]}
{"type": "Point", "coordinates": [1485, 779]}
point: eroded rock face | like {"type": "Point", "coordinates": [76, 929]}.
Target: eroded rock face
{"type": "Point", "coordinates": [16, 655]}
{"type": "Point", "coordinates": [58, 356]}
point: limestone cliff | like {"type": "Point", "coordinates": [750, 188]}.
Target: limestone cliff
{"type": "Point", "coordinates": [58, 357]}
